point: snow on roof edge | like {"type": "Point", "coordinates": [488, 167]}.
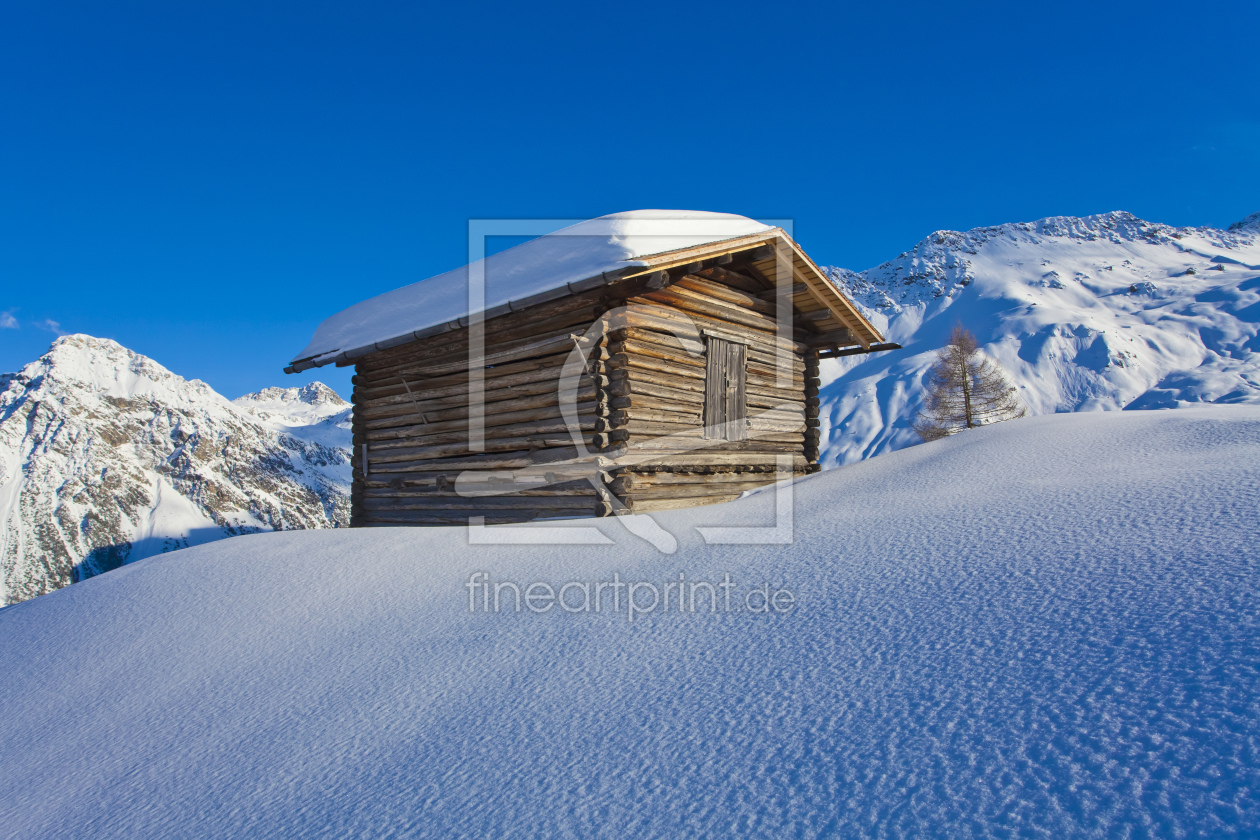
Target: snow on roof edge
{"type": "Point", "coordinates": [576, 258]}
{"type": "Point", "coordinates": [299, 365]}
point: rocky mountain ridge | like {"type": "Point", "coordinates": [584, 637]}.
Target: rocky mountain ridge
{"type": "Point", "coordinates": [107, 457]}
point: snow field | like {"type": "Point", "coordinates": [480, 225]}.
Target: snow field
{"type": "Point", "coordinates": [1048, 626]}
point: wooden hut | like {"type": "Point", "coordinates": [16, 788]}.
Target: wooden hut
{"type": "Point", "coordinates": [637, 362]}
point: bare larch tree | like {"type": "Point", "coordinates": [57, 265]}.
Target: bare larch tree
{"type": "Point", "coordinates": [964, 389]}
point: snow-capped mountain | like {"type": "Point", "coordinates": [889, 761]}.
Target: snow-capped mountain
{"type": "Point", "coordinates": [303, 406]}
{"type": "Point", "coordinates": [107, 457]}
{"type": "Point", "coordinates": [1085, 314]}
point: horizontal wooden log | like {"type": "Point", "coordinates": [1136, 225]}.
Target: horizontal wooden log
{"type": "Point", "coordinates": [454, 406]}
{"type": "Point", "coordinates": [547, 413]}
{"type": "Point", "coordinates": [726, 294]}
{"type": "Point", "coordinates": [586, 424]}
{"type": "Point", "coordinates": [758, 402]}
{"type": "Point", "coordinates": [575, 489]}
{"type": "Point", "coordinates": [655, 351]}
{"type": "Point", "coordinates": [631, 371]}
{"type": "Point", "coordinates": [769, 420]}
{"type": "Point", "coordinates": [544, 343]}
{"type": "Point", "coordinates": [410, 425]}
{"type": "Point", "coordinates": [794, 290]}
{"type": "Point", "coordinates": [831, 338]}
{"type": "Point", "coordinates": [685, 344]}
{"type": "Point", "coordinates": [532, 477]}
{"type": "Point", "coordinates": [684, 491]}
{"type": "Point", "coordinates": [379, 406]}
{"type": "Point", "coordinates": [652, 386]}
{"type": "Point", "coordinates": [626, 380]}
{"type": "Point", "coordinates": [686, 469]}
{"type": "Point", "coordinates": [619, 361]}
{"type": "Point", "coordinates": [693, 302]}
{"type": "Point", "coordinates": [414, 389]}
{"type": "Point", "coordinates": [649, 403]}
{"type": "Point", "coordinates": [628, 392]}
{"type": "Point", "coordinates": [657, 505]}
{"type": "Point", "coordinates": [438, 518]}
{"type": "Point", "coordinates": [666, 481]}
{"type": "Point", "coordinates": [501, 461]}
{"type": "Point", "coordinates": [621, 418]}
{"type": "Point", "coordinates": [625, 457]}
{"type": "Point", "coordinates": [731, 277]}
{"type": "Point", "coordinates": [485, 503]}
{"type": "Point", "coordinates": [548, 341]}
{"type": "Point", "coordinates": [511, 327]}
{"type": "Point", "coordinates": [419, 384]}
{"type": "Point", "coordinates": [651, 435]}
{"type": "Point", "coordinates": [389, 459]}
{"type": "Point", "coordinates": [413, 519]}
{"type": "Point", "coordinates": [498, 399]}
{"type": "Point", "coordinates": [768, 377]}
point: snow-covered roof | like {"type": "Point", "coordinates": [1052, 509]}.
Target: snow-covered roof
{"type": "Point", "coordinates": [590, 253]}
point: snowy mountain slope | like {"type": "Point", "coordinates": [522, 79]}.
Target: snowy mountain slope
{"type": "Point", "coordinates": [1043, 628]}
{"type": "Point", "coordinates": [107, 457]}
{"type": "Point", "coordinates": [1095, 313]}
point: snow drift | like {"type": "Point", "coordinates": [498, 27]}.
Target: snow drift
{"type": "Point", "coordinates": [1048, 626]}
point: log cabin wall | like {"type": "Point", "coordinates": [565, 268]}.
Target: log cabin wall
{"type": "Point", "coordinates": [411, 411]}
{"type": "Point", "coordinates": [661, 372]}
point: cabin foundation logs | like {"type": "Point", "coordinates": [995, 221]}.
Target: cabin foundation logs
{"type": "Point", "coordinates": [627, 435]}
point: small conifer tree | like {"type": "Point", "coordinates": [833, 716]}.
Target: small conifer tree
{"type": "Point", "coordinates": [964, 389]}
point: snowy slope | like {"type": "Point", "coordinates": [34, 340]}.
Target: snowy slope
{"type": "Point", "coordinates": [1049, 627]}
{"type": "Point", "coordinates": [1096, 313]}
{"type": "Point", "coordinates": [107, 457]}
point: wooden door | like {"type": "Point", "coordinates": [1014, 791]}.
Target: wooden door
{"type": "Point", "coordinates": [724, 390]}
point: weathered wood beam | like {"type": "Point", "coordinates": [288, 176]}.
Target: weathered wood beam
{"type": "Point", "coordinates": [831, 338]}
{"type": "Point", "coordinates": [587, 422]}
{"type": "Point", "coordinates": [726, 294]}
{"type": "Point", "coordinates": [731, 278]}
{"type": "Point", "coordinates": [795, 290]}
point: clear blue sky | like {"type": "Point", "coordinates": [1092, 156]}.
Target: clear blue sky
{"type": "Point", "coordinates": [205, 182]}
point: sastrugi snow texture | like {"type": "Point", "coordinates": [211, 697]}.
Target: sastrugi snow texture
{"type": "Point", "coordinates": [1046, 627]}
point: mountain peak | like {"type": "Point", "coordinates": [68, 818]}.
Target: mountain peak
{"type": "Point", "coordinates": [315, 393]}
{"type": "Point", "coordinates": [1252, 222]}
{"type": "Point", "coordinates": [105, 366]}
{"type": "Point", "coordinates": [115, 458]}
{"type": "Point", "coordinates": [310, 403]}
